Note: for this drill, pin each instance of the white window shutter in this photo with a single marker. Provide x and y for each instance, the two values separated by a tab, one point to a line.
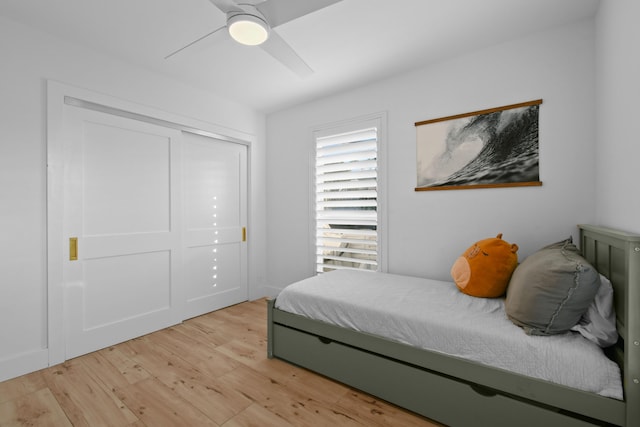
346	204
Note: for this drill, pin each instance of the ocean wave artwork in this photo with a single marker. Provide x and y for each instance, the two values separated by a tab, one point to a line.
489	148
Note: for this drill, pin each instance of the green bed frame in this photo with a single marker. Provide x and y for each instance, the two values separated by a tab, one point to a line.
458	392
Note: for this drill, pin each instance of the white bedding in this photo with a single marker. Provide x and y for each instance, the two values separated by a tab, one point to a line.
434	315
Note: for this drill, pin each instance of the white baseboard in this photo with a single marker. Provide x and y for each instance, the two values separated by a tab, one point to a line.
23	363
265	291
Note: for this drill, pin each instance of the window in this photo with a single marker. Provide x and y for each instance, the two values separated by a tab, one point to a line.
347	191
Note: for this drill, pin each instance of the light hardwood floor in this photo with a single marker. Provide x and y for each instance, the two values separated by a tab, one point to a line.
208	371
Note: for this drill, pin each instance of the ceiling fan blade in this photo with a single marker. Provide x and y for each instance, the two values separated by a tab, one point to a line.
280	50
226	6
278	12
203	43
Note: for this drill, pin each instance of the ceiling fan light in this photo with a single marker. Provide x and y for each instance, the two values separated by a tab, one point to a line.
248	29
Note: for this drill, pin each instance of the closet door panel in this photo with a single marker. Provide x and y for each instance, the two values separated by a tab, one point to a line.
126	180
215	219
123	205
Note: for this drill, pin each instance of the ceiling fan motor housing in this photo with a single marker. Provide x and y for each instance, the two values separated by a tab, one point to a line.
248	26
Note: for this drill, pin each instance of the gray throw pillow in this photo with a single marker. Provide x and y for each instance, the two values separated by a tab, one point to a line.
551	290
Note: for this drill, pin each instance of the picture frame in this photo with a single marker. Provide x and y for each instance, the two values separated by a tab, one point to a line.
496	147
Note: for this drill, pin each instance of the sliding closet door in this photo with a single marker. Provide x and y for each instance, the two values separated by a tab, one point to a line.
122	219
215	197
154	224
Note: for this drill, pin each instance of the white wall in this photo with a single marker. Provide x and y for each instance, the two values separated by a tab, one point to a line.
29	58
618	89
428	230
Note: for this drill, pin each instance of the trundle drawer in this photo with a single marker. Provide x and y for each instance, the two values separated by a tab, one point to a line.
435	396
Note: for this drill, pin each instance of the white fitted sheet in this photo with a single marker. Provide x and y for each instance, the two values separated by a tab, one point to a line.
435	315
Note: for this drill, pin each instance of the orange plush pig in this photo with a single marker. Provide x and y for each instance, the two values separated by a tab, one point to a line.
485	268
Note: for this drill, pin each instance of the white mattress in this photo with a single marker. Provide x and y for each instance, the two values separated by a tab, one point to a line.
434	315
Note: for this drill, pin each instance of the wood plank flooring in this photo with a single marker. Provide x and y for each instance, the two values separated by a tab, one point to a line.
208	371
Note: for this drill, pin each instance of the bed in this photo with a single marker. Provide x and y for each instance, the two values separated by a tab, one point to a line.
457	391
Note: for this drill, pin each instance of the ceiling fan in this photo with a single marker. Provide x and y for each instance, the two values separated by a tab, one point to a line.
253	23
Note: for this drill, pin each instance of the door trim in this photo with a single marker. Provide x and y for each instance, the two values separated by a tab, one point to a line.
57	94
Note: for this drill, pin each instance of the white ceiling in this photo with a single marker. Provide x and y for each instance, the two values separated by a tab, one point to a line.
348	44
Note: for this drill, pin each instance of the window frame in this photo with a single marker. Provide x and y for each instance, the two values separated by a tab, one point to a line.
379	121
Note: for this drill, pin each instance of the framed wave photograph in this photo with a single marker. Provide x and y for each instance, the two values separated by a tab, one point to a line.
497	147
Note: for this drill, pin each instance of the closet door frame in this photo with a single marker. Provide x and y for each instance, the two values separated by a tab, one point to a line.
59	97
